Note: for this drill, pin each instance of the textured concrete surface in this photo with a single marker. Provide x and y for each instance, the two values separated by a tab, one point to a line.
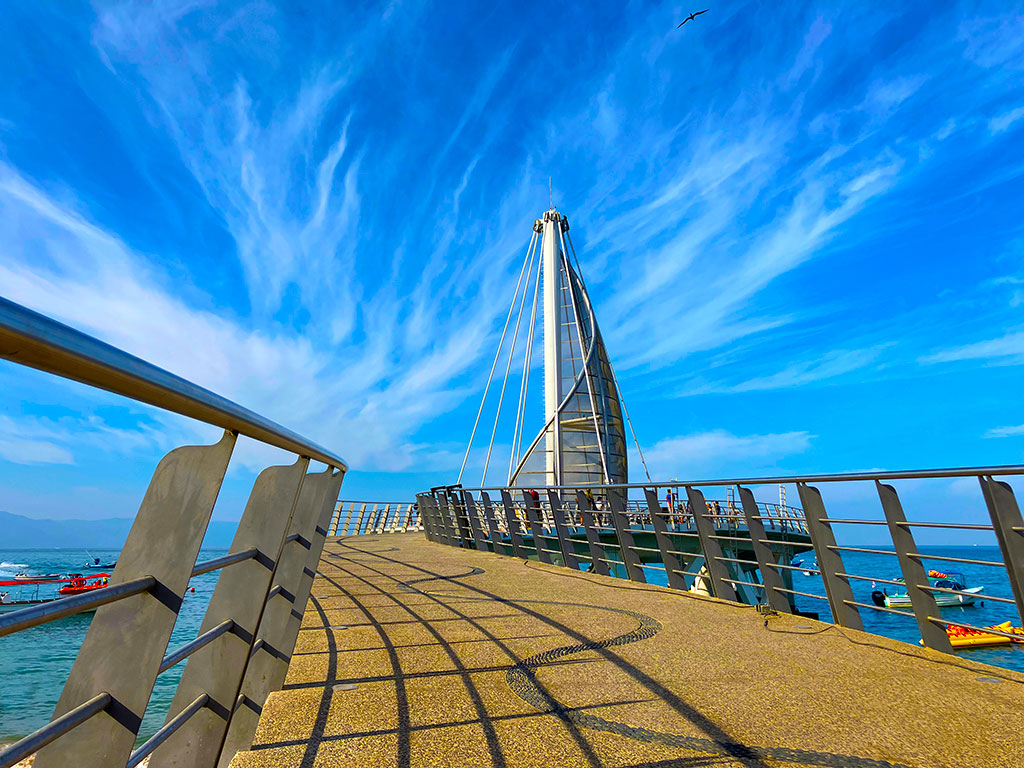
416	654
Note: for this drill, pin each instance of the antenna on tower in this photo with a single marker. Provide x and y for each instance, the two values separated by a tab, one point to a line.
551	195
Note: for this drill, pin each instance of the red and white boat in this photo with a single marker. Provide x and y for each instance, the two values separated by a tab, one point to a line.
78	584
21	593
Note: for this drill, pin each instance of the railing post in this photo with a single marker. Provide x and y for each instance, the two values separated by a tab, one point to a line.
445	513
564	535
717	571
630	557
597	556
359	523
426	518
461	516
830	562
673	568
239	596
512	521
1009	530
766	561
914	573
536	528
474	522
318	537
492	524
268	660
440	524
163	542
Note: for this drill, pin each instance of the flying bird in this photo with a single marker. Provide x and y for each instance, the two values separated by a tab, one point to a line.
692	16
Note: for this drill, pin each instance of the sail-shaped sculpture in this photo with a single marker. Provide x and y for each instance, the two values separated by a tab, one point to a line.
581	440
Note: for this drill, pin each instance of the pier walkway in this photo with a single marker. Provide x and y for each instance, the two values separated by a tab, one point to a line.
416	654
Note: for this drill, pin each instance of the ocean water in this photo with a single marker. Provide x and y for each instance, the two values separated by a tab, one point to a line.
35	663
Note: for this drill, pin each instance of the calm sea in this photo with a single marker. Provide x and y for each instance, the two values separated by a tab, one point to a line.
35	663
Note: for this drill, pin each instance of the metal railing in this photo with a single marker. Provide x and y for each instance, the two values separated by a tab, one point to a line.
249	630
354	518
741	551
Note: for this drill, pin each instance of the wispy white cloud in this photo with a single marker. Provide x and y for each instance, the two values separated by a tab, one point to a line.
1004	121
1006	349
24	441
688	454
1006	431
376	195
827	366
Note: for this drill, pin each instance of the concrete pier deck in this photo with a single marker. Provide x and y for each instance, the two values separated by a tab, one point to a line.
416	654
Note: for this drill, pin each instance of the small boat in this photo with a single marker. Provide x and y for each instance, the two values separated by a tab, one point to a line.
963	595
96	565
27	593
79	584
961	637
38	577
8	603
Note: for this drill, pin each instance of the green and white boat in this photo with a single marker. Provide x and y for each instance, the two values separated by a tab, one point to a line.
960	595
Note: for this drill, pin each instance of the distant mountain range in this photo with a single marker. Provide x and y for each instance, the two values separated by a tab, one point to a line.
20	532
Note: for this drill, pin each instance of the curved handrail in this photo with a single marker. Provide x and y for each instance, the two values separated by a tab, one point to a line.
37	341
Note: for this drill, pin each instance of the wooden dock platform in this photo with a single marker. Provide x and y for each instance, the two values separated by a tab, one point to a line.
415	654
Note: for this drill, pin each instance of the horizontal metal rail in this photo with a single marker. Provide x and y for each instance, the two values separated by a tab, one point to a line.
167	730
744	583
978	595
849	521
35	615
926	556
34	340
881	608
224	561
35	741
802	594
189	648
794	568
952	526
836	547
839	477
872	579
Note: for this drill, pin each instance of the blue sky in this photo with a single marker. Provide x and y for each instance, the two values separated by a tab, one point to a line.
800	225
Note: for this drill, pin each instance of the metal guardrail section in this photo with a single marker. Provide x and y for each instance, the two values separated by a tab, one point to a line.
248	633
355	518
744	549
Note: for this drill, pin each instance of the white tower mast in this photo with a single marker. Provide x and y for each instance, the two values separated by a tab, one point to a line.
552	260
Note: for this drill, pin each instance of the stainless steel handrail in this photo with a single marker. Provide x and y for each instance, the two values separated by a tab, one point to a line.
34	340
35	741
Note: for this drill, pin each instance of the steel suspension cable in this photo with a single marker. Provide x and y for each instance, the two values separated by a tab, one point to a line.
517	435
511	354
497	354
